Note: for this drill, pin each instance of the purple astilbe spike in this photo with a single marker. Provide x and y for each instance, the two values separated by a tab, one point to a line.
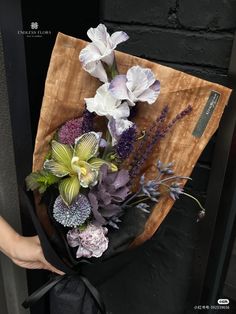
125	143
87	125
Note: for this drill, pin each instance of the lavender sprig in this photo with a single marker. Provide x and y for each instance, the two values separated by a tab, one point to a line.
155	133
150	190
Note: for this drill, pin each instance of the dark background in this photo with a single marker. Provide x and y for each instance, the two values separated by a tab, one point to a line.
193	36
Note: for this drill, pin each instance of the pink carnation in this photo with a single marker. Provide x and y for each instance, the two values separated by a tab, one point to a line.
92	241
70	131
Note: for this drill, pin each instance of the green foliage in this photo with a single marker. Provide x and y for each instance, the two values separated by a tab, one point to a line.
40	180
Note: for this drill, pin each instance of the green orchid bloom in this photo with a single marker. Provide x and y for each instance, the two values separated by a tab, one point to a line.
79	165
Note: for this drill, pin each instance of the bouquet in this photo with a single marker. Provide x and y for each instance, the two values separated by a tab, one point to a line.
96	192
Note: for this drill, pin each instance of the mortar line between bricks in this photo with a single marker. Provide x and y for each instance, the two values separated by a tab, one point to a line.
150	27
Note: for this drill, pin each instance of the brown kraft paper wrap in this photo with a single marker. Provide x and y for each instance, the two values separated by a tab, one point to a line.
67	84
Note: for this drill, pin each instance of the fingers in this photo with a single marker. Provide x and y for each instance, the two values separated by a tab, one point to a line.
44	262
55	270
49	267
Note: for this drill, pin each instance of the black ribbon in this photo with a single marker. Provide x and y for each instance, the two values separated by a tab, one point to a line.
38	294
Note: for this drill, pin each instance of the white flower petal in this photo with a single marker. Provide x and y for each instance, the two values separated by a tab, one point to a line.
121	112
104	104
89	53
100	49
118	87
108	57
138	80
149	95
98	34
97	70
118	37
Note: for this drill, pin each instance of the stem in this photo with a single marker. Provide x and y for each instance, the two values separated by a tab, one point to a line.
109	146
139	201
189	195
158	177
174	177
196	200
131	198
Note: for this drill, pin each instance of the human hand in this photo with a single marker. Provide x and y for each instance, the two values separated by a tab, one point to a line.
27	253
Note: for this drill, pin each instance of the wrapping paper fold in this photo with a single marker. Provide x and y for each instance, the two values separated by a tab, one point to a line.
67	85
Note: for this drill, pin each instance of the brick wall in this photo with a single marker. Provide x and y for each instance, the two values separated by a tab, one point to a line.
192	36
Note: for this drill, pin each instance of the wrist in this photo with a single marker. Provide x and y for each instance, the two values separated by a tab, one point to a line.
12	245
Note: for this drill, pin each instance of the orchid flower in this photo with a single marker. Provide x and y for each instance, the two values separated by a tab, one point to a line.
100	51
104	104
139	84
77	166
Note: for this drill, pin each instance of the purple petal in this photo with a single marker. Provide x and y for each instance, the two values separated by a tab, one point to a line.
121	194
94	203
156	86
73	237
121	179
83	252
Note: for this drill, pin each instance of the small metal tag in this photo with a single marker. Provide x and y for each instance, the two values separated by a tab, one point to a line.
206	114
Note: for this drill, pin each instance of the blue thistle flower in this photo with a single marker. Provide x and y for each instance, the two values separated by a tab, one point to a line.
73	215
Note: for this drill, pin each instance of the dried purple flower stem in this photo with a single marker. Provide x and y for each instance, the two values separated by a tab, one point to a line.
159	133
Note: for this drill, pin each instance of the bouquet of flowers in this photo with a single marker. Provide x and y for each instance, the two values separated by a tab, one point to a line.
92	188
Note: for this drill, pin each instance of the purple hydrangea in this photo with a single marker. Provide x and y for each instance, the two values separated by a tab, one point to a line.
125	143
75	214
106	197
70	131
92	242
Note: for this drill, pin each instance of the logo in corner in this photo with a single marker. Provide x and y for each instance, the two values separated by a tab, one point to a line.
223	301
34	25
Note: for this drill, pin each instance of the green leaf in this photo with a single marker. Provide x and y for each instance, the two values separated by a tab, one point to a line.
40	180
69	189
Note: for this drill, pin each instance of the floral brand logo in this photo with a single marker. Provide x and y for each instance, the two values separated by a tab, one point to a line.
34	25
34	31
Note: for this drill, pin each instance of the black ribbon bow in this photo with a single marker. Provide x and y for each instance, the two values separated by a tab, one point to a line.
56	279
